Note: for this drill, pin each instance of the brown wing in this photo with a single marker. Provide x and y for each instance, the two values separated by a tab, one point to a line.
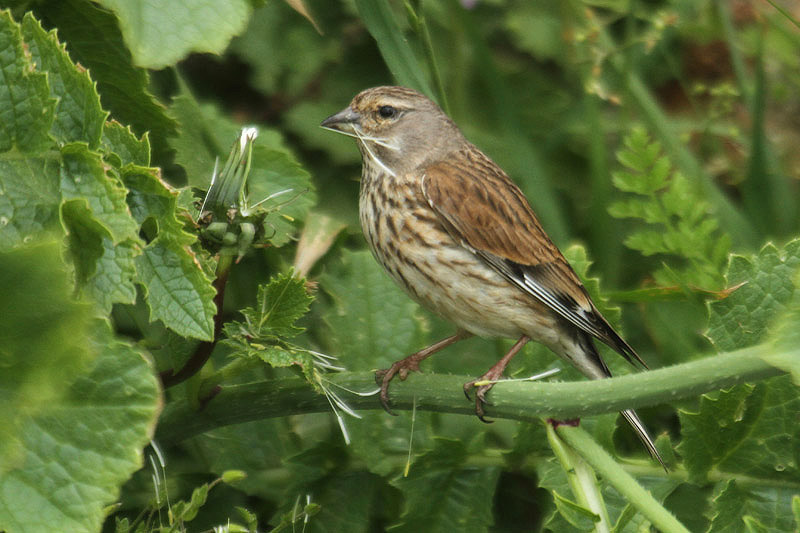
488	214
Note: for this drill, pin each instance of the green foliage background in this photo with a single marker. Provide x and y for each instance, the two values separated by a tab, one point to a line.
655	139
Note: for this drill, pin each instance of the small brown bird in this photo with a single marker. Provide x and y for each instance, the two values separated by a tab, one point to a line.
458	235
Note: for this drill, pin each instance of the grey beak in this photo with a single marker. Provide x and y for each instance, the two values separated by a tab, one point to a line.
342	118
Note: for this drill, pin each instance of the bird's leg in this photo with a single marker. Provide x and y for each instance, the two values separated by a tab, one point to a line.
404	366
486	381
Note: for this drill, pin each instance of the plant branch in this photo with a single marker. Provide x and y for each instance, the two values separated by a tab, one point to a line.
594	454
513	400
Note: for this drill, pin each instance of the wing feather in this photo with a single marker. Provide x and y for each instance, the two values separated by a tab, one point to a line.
488	214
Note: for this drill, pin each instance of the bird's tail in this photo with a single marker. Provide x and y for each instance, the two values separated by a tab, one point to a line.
633	419
584	355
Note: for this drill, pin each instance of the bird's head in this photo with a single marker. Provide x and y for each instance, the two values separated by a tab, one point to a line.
398	128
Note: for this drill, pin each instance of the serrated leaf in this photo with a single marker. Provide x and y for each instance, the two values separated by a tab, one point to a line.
578	258
29	199
82	404
280	303
93	39
178	289
179	293
120	142
737	508
85	176
372	324
750	430
667	200
26	107
113	281
78	116
743	318
443	494
159	33
150	198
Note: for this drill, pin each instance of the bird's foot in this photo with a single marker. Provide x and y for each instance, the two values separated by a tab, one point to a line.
483	385
487	381
400	369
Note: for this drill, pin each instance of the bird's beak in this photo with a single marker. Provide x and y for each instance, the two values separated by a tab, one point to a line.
341	121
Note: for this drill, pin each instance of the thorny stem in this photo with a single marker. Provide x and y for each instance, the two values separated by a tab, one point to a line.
443	393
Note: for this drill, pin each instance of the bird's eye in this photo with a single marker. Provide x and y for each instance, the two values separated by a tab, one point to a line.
387	111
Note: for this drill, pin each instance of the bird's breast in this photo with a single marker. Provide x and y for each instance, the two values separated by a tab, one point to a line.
407	237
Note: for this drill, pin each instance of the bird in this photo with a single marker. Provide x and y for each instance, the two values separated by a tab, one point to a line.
458	235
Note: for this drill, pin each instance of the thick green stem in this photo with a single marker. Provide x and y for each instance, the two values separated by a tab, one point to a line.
513	400
581	479
615	475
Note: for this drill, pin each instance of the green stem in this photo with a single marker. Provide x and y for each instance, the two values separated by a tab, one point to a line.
443	393
581	479
616	476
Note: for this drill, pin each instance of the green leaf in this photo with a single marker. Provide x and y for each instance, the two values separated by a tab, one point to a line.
184	511
379	19
744	318
318	508
278	174
536	28
79	116
443	494
84	176
738	508
84	238
26	107
280	303
81	403
113	281
667	200
159	33
29	199
179	293
93	39
373	323
579	517
120	142
750	430
204	135
44	339
578	258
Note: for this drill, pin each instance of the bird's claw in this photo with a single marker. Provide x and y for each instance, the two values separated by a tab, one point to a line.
384	377
480	398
